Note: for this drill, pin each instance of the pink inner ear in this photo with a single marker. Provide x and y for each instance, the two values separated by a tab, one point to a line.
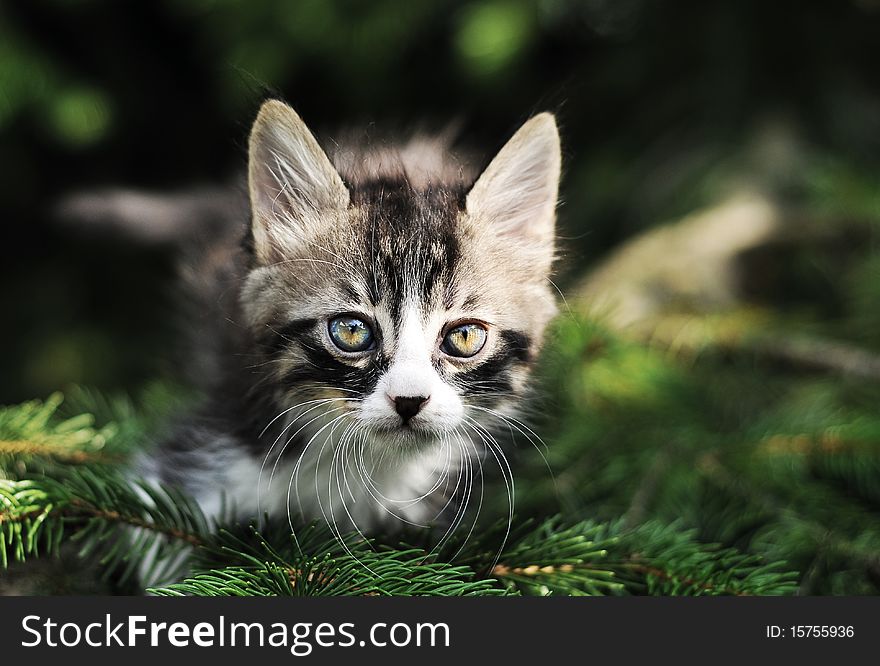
517	192
291	179
286	161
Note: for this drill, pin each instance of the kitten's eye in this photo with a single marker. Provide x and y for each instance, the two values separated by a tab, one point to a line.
350	334
464	341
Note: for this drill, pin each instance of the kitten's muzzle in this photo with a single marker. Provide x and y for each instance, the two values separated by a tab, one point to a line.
408	406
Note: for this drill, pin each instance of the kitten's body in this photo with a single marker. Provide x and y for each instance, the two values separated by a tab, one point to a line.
402	243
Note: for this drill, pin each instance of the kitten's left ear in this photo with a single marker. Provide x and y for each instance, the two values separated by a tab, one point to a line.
291	180
517	192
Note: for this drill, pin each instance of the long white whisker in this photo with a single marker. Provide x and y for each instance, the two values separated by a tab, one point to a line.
320	402
334	526
294	478
479	505
284	448
372	490
465	472
340	452
507	475
514	423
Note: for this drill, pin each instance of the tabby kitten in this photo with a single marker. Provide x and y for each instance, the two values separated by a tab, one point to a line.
372	333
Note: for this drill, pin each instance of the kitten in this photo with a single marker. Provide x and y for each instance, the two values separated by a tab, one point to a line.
373	331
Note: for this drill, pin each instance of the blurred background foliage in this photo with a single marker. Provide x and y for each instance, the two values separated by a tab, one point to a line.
706	414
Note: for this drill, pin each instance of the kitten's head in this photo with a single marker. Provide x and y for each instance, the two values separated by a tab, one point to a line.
411	303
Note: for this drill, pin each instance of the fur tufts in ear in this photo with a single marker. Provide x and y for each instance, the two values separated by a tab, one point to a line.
516	194
290	179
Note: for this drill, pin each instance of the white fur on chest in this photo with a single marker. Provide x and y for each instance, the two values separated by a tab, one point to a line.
342	485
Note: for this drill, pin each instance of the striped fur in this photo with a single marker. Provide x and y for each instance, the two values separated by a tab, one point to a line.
410	243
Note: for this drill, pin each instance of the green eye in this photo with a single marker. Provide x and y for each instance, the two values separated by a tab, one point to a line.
350	334
464	341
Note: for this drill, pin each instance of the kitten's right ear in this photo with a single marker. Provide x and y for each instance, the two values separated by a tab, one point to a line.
516	194
291	181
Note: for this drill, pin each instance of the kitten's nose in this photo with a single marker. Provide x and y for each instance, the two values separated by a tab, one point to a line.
408	406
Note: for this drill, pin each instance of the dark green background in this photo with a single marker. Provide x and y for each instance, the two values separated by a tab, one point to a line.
664	107
652	97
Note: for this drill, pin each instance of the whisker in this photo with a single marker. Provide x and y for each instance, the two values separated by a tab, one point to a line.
319	404
294	479
507	475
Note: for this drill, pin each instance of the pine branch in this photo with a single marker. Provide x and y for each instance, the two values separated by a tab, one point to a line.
610	558
122	521
316	562
388	574
31	449
662	559
33	432
161	533
269	580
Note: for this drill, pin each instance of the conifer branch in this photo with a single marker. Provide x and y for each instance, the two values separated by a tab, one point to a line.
131	526
25	448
